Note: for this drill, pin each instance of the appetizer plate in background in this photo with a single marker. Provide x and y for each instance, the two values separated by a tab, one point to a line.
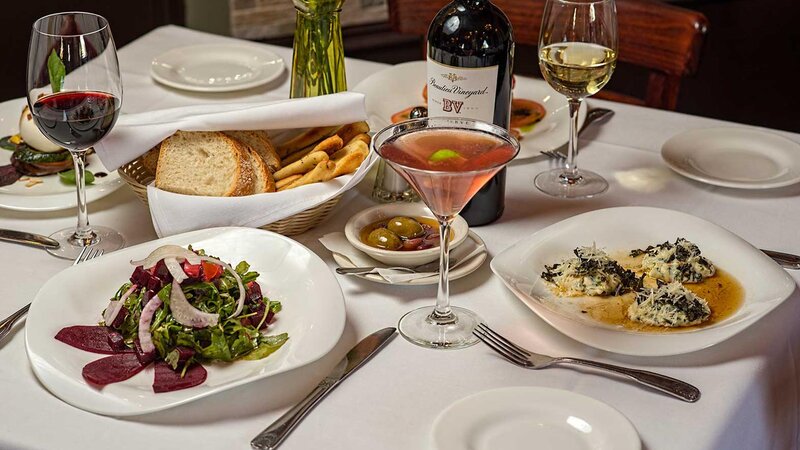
734	157
313	314
532	417
399	87
216	68
51	194
765	284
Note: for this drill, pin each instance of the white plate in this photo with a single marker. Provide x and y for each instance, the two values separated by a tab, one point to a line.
407	80
765	284
734	157
51	194
473	241
216	68
522	418
313	314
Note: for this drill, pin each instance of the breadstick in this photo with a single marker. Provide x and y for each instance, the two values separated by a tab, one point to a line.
328	145
351	130
319	173
302	166
356	145
363	137
349	163
287	181
304	139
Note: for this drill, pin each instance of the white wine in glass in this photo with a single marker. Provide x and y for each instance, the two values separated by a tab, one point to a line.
577	55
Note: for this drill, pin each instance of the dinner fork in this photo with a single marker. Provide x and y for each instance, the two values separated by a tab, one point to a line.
7	324
530	360
592	116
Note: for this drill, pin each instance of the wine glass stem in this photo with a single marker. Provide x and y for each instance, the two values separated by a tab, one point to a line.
442	314
83	232
571	175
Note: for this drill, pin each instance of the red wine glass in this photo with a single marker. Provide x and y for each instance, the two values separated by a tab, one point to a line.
74	94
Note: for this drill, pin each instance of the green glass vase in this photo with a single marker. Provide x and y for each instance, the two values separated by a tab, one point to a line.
318	60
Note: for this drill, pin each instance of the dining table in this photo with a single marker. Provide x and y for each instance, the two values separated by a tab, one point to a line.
749	383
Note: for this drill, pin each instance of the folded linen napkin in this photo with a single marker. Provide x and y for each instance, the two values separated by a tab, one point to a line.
174	213
134	134
337	243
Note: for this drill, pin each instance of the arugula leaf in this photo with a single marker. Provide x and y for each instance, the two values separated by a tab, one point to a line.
56	71
267	346
68	176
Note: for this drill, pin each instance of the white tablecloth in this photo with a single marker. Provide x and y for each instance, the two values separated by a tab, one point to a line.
749	383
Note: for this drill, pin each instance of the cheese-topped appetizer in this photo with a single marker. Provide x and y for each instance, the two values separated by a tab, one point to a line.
669	305
680	261
590	272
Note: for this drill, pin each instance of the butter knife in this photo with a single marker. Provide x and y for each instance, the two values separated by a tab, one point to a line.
273	435
32	239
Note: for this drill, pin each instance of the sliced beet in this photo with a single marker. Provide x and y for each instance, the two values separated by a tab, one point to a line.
144	357
120	319
112	369
91	338
194	272
253	293
167	380
184	353
117	342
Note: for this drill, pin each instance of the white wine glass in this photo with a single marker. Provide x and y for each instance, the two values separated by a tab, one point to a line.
577	55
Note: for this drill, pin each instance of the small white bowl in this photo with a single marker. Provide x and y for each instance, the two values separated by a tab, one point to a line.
395	257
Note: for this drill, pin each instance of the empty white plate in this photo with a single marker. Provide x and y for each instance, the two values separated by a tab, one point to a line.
522	418
216	68
734	157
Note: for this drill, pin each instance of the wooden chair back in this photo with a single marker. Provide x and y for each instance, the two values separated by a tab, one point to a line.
662	38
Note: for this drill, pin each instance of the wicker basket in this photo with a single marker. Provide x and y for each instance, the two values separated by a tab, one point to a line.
138	177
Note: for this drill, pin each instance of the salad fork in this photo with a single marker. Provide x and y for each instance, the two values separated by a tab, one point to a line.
7	324
592	116
530	360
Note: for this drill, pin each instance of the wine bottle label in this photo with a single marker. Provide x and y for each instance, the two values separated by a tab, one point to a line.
461	92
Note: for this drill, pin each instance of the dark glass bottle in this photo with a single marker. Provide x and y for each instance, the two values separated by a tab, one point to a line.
470	61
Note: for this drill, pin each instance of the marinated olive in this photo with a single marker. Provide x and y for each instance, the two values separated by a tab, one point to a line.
385	239
405	227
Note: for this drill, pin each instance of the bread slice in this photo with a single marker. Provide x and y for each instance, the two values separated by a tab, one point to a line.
264	182
204	163
259	141
150	159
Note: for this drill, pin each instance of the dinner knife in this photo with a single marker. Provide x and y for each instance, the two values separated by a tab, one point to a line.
32	239
273	435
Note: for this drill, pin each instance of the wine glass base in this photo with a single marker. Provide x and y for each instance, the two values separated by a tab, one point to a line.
587	184
104	239
419	327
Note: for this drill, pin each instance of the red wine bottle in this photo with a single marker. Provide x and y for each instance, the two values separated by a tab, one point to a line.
470	61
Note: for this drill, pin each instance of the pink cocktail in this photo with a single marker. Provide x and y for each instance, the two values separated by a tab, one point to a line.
447	161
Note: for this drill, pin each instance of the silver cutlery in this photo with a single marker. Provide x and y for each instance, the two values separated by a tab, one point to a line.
31	239
7	324
592	116
273	435
367	270
786	260
530	360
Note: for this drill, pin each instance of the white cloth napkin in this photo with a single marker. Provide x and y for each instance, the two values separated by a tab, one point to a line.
173	213
337	243
134	134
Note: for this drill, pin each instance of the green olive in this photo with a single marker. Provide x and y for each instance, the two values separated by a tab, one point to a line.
385	239
405	227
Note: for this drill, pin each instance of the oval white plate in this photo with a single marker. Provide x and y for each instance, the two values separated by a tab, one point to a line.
765	284
398	87
522	418
51	194
734	157
216	68
313	314
473	241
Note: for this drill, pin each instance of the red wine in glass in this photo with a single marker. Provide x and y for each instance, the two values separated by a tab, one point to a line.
75	94
76	119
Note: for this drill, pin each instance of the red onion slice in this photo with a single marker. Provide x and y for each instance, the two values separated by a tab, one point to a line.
175	269
145	320
186	314
115	306
242	293
168	251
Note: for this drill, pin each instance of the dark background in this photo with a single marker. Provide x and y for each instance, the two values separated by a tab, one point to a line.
749	70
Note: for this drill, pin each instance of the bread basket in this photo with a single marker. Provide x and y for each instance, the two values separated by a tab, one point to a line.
138	177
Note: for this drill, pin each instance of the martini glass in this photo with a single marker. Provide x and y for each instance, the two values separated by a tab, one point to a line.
447	161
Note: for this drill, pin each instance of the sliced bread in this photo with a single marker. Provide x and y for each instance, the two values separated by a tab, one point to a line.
204	163
264	182
259	141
